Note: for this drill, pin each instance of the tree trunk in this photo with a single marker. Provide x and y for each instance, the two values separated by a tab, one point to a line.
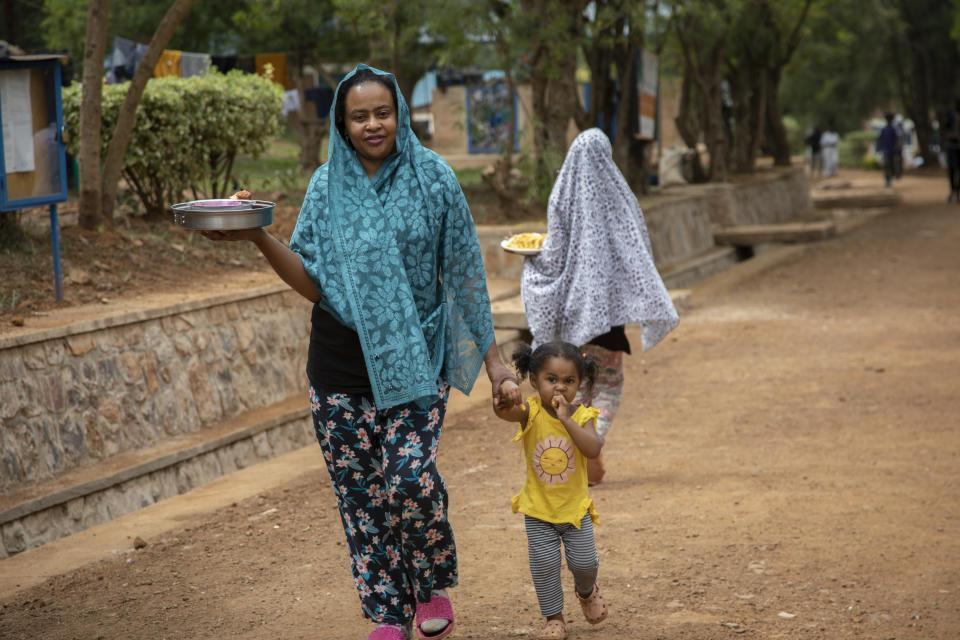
776	132
90	216
688	121
117	151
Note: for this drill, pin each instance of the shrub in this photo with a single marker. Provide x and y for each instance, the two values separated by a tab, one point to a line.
187	133
854	147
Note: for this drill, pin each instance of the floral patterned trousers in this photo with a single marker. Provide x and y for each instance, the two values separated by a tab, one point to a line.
392	499
608	387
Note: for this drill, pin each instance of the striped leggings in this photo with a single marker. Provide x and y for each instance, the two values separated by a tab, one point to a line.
543	547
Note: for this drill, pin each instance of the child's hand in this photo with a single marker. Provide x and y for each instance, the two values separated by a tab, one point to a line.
507	396
563	408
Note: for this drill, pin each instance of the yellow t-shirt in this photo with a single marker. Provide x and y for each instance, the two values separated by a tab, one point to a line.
556	486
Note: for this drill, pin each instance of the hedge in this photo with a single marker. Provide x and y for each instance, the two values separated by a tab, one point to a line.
187	132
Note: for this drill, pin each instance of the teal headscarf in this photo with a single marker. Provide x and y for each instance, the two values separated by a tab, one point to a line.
396	258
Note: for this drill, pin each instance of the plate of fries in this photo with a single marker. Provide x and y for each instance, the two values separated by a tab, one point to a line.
525	244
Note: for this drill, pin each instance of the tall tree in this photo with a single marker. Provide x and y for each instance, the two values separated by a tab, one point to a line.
702	30
926	63
393	34
98	187
613	34
548	29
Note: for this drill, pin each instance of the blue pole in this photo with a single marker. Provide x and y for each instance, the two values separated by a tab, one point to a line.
55	240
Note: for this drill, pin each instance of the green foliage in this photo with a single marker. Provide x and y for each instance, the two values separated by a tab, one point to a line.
187	133
795	134
855	148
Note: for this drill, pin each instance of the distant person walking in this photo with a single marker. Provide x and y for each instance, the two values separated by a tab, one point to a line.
887	145
951	146
829	141
816	156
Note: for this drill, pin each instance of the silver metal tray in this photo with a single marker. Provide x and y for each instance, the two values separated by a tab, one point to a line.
223	214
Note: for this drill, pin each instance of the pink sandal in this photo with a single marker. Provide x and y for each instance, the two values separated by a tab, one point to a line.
386	632
593	606
438	607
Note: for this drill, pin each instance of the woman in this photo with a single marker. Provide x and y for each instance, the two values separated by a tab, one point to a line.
386	250
596	273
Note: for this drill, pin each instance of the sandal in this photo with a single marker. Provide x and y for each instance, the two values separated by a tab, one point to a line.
438	607
593	606
386	632
554	630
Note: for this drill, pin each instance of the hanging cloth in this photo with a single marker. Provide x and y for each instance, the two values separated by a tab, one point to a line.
596	269
194	64
396	258
168	64
279	62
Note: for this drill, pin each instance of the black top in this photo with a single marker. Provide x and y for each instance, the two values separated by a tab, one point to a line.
335	358
614	340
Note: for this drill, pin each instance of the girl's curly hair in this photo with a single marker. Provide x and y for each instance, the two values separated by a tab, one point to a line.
527	360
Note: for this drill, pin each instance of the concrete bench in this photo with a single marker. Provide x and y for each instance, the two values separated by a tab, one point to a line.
787	232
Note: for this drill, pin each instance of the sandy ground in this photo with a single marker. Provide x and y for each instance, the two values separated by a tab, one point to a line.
786	464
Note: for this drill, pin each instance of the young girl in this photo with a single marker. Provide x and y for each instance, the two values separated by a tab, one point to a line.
558	437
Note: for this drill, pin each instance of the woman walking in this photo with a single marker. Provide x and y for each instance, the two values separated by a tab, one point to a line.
386	250
596	274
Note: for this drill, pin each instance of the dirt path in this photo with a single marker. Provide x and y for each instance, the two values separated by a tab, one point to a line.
785	465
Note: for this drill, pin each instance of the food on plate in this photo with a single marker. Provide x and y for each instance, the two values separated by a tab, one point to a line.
526	240
243	194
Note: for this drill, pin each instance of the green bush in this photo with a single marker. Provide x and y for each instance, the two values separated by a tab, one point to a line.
855	147
187	133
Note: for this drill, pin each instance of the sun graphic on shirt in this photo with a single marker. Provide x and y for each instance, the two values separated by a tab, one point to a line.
553	460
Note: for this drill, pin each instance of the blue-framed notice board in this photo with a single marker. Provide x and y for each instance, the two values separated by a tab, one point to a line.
33	165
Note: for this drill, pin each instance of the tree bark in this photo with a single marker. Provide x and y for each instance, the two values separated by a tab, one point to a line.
88	157
117	151
776	132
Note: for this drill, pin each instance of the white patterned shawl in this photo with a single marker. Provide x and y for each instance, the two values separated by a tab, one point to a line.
596	268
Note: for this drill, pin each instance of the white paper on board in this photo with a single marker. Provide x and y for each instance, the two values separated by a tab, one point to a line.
17	120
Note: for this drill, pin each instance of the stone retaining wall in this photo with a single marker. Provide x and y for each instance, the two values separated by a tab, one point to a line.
74	396
681	221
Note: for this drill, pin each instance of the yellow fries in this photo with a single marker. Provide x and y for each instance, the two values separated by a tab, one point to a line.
527	241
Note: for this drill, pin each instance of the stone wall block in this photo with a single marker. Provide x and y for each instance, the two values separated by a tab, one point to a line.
56	351
75	509
226	392
226	341
150	373
208	405
80	345
12	368
11	469
52	447
163	484
159	343
130	366
12	398
73	441
245	335
108	373
52	392
232	311
14	537
92	435
261	446
183	344
33	357
193	473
